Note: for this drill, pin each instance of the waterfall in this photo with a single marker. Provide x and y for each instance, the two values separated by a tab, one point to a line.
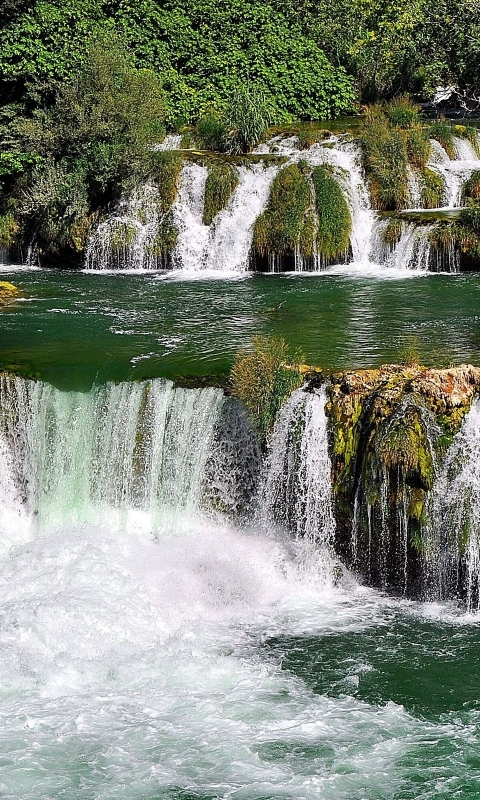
346	157
225	245
127	239
454	172
130	452
297	491
452	540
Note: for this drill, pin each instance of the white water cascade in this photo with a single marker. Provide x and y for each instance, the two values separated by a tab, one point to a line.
297	482
127	239
135	453
226	244
452	541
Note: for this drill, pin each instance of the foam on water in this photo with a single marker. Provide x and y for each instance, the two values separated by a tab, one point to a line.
134	663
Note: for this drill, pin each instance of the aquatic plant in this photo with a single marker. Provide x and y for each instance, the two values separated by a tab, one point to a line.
386	161
334	218
222	180
263	378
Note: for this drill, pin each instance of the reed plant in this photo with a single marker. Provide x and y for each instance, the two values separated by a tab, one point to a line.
442	132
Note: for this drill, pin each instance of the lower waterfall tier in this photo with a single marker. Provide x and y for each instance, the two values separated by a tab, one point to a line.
377	468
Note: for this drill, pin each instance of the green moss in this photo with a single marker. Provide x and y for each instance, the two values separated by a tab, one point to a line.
432	188
334	219
471	187
164	169
280	229
222	180
442	132
8	293
165	238
122	235
392	232
9	229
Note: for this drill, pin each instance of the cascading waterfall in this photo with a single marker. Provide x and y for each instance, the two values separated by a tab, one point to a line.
133	237
133	452
225	245
296	491
127	239
452	539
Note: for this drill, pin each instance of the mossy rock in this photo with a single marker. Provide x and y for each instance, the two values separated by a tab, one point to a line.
222	180
8	293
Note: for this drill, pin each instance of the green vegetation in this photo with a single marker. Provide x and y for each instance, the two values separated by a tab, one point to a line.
442	131
471	187
393	141
392	232
222	180
306	214
432	188
264	378
286	224
334	219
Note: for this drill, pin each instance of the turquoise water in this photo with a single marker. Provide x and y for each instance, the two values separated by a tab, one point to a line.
181	656
75	329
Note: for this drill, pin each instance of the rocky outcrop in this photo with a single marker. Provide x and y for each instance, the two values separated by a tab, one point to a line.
391	428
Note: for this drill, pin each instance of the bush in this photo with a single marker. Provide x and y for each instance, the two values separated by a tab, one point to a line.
222	180
210	132
264	378
334	219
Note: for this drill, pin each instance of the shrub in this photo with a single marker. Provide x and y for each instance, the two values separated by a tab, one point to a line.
210	132
222	180
264	378
334	219
442	132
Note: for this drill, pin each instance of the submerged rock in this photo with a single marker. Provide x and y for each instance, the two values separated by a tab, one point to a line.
8	293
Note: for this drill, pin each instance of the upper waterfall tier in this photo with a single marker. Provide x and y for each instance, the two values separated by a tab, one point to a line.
146	234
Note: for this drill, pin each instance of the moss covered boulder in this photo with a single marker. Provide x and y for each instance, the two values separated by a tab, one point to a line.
8	293
391	428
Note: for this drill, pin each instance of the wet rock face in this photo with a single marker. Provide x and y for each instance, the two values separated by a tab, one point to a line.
390	429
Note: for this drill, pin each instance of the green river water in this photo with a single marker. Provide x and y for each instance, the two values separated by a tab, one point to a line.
209	661
76	329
